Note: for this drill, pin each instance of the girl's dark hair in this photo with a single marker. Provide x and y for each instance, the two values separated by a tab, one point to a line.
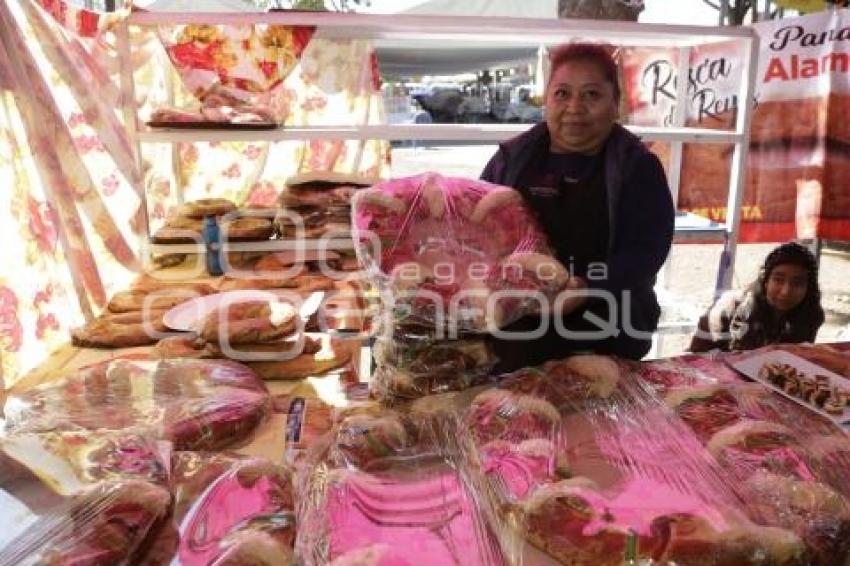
757	322
597	54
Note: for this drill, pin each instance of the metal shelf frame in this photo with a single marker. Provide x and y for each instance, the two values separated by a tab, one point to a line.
422	132
469	31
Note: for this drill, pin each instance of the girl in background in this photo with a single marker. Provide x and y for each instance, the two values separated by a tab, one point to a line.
781	306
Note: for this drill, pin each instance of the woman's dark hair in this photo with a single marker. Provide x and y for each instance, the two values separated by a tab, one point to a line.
597	54
763	325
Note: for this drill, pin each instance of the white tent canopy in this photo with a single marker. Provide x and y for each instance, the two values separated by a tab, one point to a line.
195	6
408	60
405	60
496	8
411	59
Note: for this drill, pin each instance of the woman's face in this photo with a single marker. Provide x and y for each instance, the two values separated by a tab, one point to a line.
580	108
786	286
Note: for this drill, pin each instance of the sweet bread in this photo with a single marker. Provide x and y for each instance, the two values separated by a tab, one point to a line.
252	322
184	346
336	356
247	227
156	298
124	330
232	284
284	261
168	235
207	207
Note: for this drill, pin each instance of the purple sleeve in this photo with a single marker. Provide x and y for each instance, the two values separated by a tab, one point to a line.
644	228
493	171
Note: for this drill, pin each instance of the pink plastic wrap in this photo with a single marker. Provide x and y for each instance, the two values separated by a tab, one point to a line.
228	509
454	253
589	467
380	490
196	404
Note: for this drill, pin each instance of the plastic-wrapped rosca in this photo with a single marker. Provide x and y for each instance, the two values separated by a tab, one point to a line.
791	478
196	404
519	439
454	252
590	468
814	511
379	490
790	467
412	364
569	383
228	509
107	523
709	408
575	522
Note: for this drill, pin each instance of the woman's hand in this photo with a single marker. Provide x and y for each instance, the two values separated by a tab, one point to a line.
569	299
572	297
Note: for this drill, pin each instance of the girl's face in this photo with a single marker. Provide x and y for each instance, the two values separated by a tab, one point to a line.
580	108
786	286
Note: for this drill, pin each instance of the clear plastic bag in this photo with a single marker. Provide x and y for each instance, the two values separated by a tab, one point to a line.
107	523
69	461
228	509
381	488
196	404
790	467
454	253
413	364
81	497
589	467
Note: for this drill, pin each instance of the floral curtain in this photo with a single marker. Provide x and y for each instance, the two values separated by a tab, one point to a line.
71	193
72	202
335	83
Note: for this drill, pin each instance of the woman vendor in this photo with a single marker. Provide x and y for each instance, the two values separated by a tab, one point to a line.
603	199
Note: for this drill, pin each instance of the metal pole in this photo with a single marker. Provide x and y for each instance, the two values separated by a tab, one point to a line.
739	166
131	123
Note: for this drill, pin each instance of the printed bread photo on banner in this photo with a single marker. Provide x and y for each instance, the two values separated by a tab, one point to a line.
799	154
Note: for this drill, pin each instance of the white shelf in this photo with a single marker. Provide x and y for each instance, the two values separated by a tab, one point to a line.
689	226
421	132
503	31
452	32
264	246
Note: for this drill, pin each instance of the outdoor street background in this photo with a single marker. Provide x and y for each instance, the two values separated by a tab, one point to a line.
693	267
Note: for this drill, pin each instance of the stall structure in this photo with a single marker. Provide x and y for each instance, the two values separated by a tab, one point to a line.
419	30
157	440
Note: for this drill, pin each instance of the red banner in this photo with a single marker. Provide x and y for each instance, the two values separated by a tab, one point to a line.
799	160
